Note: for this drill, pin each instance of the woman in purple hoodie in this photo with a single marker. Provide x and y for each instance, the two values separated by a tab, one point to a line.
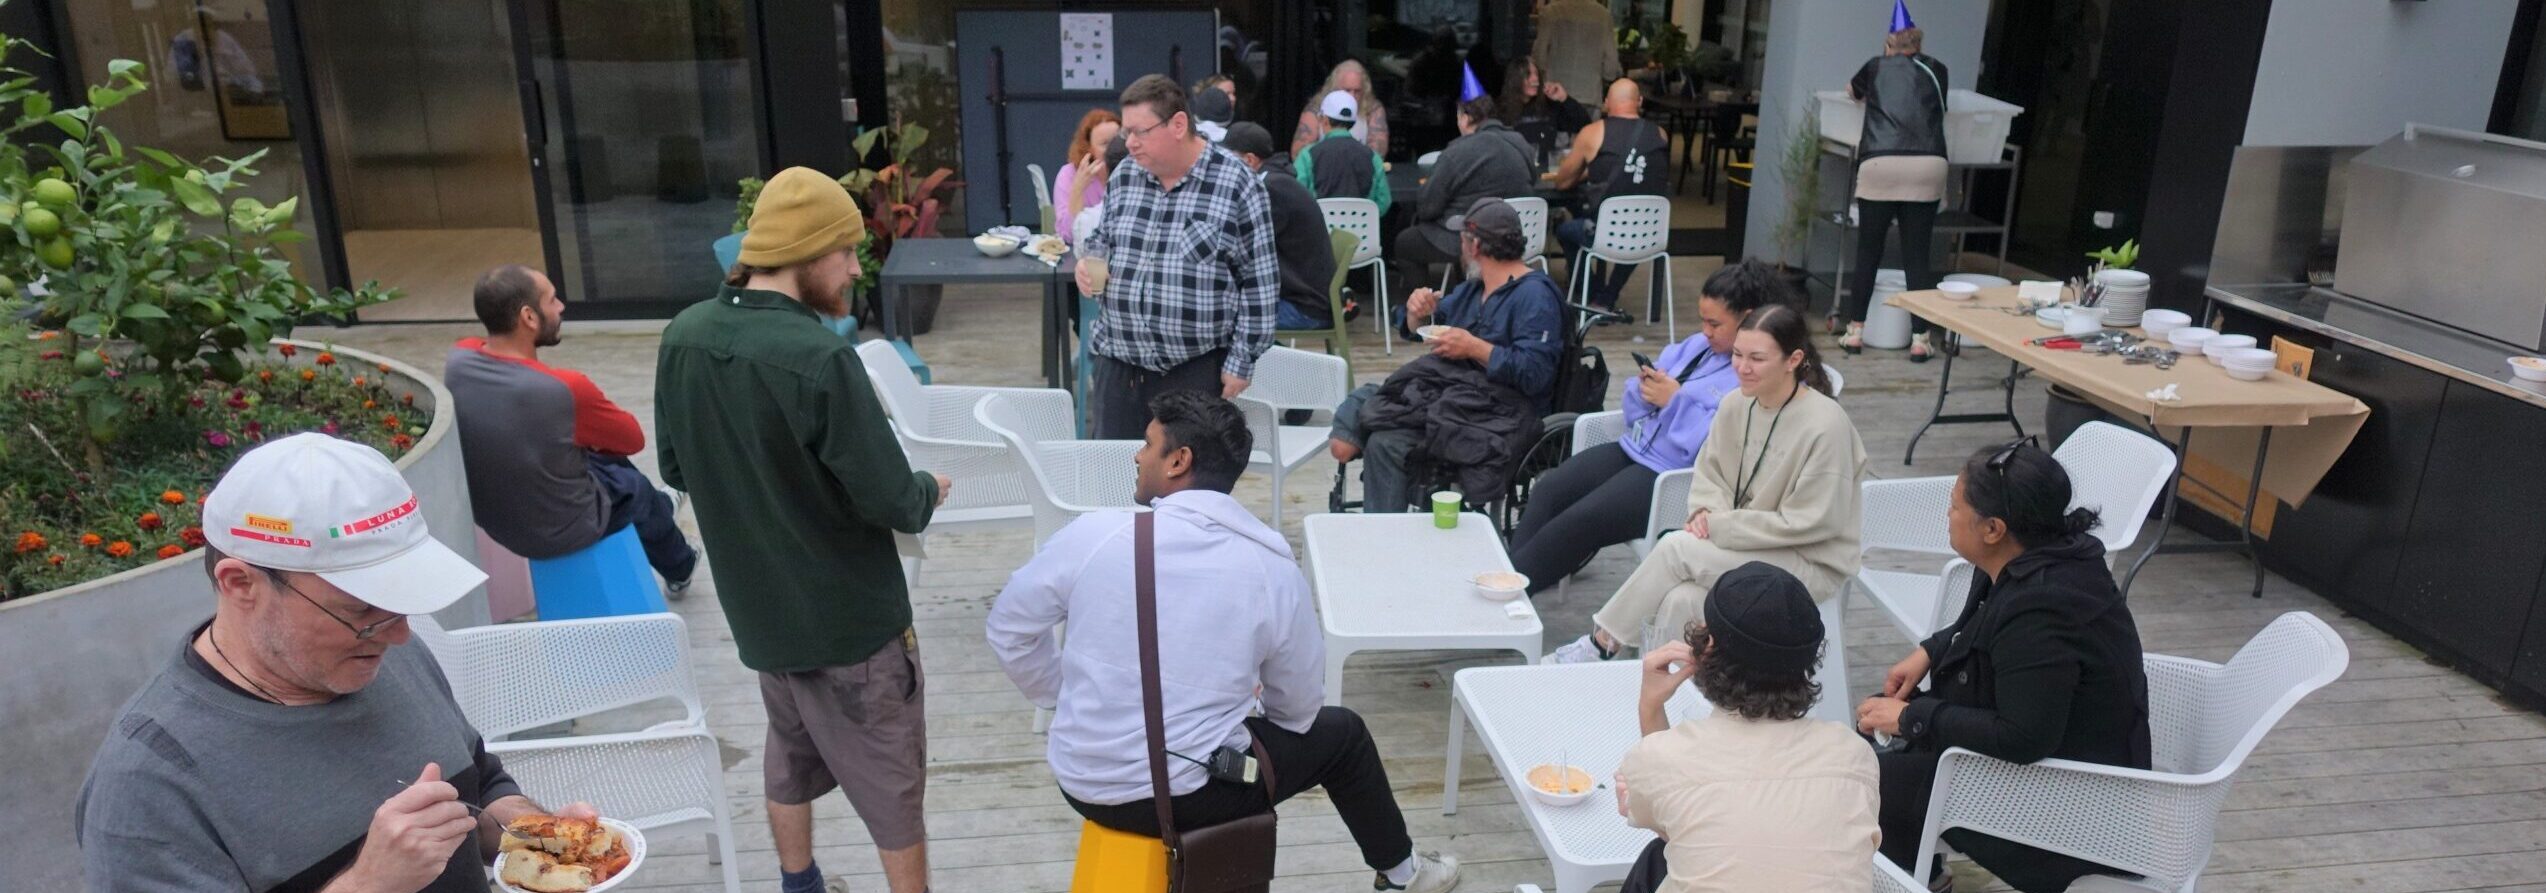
1600	496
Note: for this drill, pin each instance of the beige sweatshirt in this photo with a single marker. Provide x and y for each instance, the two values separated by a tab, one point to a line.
1803	495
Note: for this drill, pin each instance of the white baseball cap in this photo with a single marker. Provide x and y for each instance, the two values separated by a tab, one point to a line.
1341	106
315	504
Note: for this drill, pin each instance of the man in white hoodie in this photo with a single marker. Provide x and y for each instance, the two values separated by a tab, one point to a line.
1236	632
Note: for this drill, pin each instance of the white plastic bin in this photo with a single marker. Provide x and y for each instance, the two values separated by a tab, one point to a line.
1887	327
1976	126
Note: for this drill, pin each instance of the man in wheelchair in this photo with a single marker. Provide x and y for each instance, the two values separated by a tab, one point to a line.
1473	406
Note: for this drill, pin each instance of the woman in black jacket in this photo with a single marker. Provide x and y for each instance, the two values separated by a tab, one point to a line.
1900	176
2044	662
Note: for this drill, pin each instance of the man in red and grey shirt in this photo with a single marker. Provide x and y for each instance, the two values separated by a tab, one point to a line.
547	453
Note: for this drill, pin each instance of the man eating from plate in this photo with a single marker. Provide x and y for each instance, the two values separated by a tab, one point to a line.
290	743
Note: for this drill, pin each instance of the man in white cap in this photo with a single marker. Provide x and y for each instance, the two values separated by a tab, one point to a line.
291	744
1338	166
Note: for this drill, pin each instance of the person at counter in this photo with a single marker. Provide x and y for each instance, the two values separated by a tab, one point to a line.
2044	661
1900	175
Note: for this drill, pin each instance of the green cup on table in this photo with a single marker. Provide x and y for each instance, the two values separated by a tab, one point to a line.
1445	509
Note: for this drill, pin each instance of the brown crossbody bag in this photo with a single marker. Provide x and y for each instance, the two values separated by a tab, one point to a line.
1230	857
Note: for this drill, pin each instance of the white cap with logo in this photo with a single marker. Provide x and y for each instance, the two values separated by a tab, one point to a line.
315	504
1341	106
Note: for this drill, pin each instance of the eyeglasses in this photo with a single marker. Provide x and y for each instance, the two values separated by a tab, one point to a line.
1998	461
1131	133
360	632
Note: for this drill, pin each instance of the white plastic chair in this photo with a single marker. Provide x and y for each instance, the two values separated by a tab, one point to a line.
663	781
1889	878
2115	470
937	431
1288	379
1066	477
1360	216
1533	211
2161	822
1042	194
583	667
1632	230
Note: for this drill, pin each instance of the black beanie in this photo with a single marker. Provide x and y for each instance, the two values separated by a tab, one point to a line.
1763	618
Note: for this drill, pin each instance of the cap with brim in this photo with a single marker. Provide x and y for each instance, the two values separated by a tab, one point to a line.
314	504
1492	217
1762	617
1249	138
1341	106
1213	105
421	580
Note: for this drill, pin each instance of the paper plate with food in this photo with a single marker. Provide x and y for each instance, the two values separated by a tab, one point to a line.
555	854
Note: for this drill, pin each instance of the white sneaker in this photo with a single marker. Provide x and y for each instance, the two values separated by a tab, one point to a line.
1578	651
1433	873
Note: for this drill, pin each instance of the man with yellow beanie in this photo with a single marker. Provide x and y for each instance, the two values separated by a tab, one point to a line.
768	421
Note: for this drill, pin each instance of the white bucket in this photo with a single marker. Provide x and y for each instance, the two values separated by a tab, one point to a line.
1886	326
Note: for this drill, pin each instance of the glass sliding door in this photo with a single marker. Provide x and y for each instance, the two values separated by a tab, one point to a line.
642	124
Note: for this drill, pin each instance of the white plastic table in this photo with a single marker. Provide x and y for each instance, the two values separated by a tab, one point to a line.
1582	713
1397	583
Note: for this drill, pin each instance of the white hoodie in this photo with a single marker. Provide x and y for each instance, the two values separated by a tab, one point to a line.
1233	613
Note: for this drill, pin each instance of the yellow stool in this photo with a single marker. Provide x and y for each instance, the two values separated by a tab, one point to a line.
1113	861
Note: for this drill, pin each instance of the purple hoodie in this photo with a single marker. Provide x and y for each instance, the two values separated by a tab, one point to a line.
1666	439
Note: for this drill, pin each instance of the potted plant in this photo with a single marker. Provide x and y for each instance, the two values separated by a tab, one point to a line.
2113	257
898	204
1799	168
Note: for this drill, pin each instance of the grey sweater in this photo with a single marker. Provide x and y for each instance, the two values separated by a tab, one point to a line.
203	787
1493	162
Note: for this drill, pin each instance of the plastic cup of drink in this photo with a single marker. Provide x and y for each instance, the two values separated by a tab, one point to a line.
1445	509
1097	271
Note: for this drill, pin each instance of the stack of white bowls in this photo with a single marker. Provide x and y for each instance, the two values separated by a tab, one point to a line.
2125	296
2217	349
2190	338
2158	323
2247	363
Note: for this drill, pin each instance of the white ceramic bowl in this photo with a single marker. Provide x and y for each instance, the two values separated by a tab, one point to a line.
2190	338
1958	291
2051	317
2160	322
1428	333
2083	321
2249	373
2529	368
636	859
2250	357
1501	586
1983	280
1544	776
995	246
2217	348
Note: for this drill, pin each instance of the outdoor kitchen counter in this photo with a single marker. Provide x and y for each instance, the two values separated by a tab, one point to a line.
2477	361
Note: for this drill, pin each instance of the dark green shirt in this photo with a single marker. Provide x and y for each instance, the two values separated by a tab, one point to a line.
768	421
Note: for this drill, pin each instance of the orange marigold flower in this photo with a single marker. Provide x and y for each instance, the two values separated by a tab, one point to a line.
309	375
389	422
326	358
408	399
54	559
384	367
191	536
92	540
287	350
265	375
148	521
401	441
359	381
119	549
371	404
173	497
171	550
48	335
30	541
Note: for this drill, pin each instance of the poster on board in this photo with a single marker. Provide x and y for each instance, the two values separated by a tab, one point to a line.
1087	51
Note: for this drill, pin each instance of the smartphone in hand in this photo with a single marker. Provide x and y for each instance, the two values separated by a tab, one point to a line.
1641	361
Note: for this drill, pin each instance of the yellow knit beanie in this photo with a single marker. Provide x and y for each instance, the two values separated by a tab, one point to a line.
801	215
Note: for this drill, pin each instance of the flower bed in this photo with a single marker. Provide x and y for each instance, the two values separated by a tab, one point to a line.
68	517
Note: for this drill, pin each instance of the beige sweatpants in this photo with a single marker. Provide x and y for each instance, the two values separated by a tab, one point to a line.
1670	587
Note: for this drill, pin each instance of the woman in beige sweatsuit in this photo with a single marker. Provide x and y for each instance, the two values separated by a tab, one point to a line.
1776	482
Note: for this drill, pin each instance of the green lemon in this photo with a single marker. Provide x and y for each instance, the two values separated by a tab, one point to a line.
88	364
54	193
56	253
43	224
8	213
8	288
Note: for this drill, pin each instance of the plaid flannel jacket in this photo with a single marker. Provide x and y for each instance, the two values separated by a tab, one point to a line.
1192	270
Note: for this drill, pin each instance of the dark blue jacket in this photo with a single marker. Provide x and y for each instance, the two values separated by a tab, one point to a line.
1524	320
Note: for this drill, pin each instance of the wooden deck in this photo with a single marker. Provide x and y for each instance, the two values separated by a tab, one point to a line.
2402	776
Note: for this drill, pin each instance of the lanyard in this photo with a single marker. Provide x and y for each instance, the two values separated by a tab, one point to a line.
1644	430
1742	483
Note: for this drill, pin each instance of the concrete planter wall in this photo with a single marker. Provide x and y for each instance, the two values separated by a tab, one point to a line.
71	657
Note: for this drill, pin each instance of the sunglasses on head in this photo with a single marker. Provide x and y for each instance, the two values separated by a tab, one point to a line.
1998	461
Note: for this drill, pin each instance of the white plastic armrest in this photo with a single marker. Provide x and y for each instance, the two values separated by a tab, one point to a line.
950	409
1592	429
2111	815
1669	510
587	664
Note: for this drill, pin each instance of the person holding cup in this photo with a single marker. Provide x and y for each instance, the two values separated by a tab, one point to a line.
1776	482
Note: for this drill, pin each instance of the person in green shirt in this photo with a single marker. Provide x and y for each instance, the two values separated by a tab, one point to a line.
1339	166
768	421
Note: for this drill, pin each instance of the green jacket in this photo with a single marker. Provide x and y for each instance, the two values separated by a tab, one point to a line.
1340	182
768	421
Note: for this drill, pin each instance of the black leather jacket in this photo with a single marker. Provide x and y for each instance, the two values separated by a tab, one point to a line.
1904	106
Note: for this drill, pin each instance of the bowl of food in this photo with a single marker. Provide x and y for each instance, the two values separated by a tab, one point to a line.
1958	291
2528	368
1428	333
1048	247
1501	586
993	245
2159	322
1557	785
555	854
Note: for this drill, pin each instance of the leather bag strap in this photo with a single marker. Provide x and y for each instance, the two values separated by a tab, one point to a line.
1152	698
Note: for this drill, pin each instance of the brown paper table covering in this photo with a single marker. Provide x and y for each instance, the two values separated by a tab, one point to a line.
2313	424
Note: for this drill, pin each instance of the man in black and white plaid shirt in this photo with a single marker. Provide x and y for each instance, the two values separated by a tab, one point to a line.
1187	235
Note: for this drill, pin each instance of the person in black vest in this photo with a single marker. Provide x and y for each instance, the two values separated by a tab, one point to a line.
1337	165
2043	663
1487	161
1900	175
1299	233
1621	154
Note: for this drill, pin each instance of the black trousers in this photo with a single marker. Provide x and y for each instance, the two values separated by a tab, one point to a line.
1874	223
1118	393
1649	870
1414	253
1336	753
634	500
1907	779
1598	498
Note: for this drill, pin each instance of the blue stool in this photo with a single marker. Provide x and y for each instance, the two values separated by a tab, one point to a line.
606	579
919	368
